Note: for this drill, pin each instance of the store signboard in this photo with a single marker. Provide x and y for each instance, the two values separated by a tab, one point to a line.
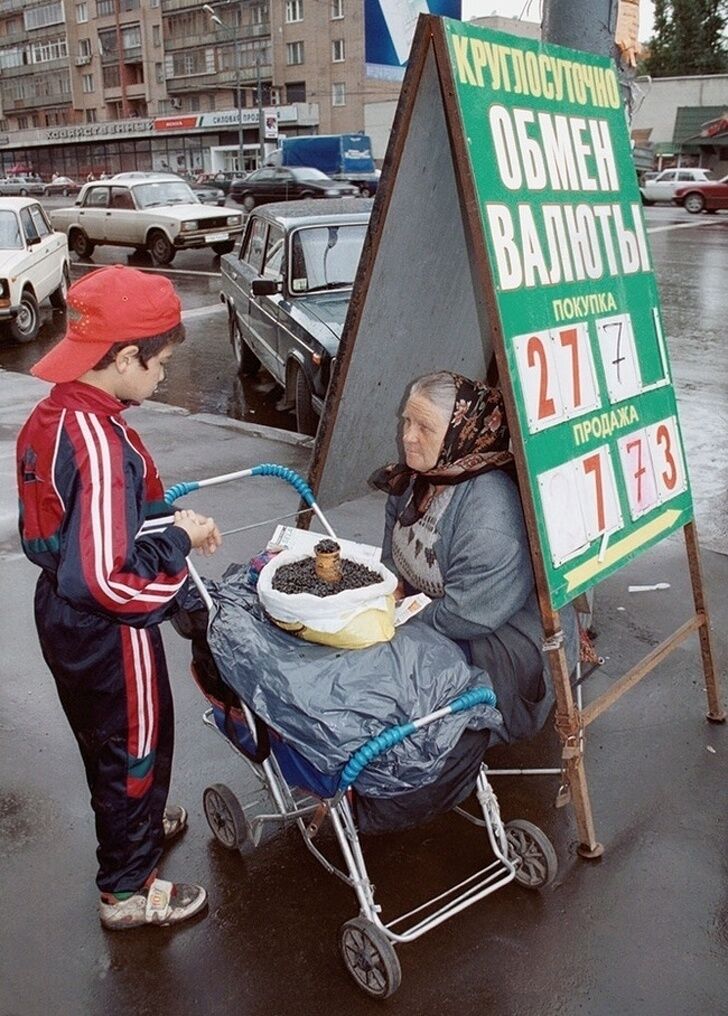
576	298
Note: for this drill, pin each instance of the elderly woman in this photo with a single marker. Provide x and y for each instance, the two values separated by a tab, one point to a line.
455	531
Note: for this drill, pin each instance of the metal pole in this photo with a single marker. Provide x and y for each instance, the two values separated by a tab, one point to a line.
589	25
261	121
238	69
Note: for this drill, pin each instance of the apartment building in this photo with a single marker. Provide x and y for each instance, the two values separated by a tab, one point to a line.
102	85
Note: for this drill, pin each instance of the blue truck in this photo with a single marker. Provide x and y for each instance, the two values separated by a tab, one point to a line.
341	156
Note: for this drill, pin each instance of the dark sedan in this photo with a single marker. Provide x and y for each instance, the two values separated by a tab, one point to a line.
287	293
222	180
283	183
62	185
708	196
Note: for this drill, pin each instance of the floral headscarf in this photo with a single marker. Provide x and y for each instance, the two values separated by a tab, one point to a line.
476	441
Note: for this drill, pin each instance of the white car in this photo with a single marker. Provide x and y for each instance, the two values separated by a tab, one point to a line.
33	266
666	183
148	212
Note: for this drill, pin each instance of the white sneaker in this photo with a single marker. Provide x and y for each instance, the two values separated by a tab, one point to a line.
162	903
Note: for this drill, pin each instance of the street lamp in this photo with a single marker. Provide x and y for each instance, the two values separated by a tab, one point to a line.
259	91
226	28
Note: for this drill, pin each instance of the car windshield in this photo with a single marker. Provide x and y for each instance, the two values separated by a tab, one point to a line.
325	257
10	238
308	173
163	192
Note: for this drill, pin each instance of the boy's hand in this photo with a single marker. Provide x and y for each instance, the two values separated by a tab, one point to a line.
203	532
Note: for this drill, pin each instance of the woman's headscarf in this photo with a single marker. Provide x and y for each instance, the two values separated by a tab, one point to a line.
475	442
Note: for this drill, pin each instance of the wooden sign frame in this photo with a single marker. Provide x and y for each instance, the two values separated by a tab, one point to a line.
431	42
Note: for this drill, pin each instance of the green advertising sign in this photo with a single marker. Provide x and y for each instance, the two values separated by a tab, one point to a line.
577	299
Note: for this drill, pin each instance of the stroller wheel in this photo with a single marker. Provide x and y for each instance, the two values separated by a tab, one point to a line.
533	853
226	818
369	957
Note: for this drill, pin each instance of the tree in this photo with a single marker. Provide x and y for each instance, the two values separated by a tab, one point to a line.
690	38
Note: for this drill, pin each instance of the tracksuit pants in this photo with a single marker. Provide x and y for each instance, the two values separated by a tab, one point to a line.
113	685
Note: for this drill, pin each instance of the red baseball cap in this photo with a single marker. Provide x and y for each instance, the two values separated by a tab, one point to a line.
109	305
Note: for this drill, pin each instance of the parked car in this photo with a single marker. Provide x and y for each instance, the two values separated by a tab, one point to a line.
219	179
150	212
33	266
704	197
21	185
62	185
208	194
288	291
284	183
665	185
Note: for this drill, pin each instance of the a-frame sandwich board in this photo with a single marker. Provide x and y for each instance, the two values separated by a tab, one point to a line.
509	230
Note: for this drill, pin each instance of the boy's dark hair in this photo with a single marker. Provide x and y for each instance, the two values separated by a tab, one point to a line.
147	347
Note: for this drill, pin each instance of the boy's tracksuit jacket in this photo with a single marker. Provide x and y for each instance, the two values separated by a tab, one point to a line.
86	484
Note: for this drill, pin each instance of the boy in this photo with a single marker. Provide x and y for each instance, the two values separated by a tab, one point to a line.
86	485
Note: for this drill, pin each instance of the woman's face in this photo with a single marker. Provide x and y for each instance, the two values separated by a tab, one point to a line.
423	431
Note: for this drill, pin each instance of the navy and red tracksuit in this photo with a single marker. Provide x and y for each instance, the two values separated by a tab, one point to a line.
86	485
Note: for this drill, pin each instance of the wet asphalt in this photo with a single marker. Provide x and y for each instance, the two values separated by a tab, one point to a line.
643	933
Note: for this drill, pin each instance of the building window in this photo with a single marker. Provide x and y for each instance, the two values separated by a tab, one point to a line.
110	76
154	3
22	123
159	73
81	13
156	35
294	11
338	51
131	37
296	91
105	7
294	53
87	81
90	116
259	14
84	47
337	9
51	49
12	56
338	94
41	17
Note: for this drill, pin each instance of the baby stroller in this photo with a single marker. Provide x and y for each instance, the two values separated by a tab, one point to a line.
307	795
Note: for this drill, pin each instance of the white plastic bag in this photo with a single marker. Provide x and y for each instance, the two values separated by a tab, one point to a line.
323	613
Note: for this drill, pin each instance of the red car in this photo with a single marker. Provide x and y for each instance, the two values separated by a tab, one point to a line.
708	196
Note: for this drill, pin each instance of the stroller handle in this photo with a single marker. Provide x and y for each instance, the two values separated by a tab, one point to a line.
380	744
264	469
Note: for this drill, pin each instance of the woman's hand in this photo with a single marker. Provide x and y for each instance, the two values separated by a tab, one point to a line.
203	532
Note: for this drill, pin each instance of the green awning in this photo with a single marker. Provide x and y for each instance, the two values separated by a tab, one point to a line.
690	121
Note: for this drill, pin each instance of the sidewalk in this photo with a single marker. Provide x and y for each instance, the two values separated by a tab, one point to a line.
643	933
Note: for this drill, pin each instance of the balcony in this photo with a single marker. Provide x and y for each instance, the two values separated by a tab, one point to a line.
182	83
132	55
36	102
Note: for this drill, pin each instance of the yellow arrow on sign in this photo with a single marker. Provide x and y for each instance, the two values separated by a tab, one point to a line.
588	569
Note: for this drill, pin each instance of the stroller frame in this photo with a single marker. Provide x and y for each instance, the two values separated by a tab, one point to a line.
522	852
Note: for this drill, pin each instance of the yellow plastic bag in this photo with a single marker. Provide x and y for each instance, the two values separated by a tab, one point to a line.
363	630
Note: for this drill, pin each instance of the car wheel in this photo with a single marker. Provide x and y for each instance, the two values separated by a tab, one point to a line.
248	202
80	244
160	248
694	203
24	327
646	201
248	363
224	248
59	296
306	419
23	192
65	192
